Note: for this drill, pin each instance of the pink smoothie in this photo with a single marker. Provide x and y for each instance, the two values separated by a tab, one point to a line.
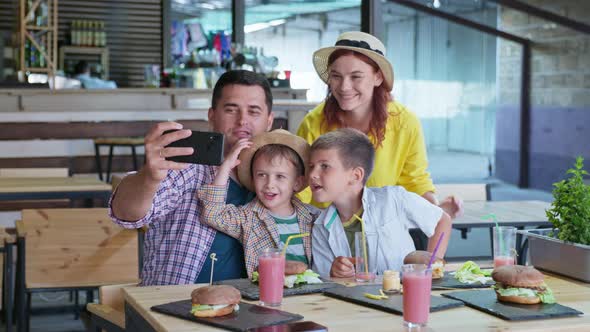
503	260
416	297
272	274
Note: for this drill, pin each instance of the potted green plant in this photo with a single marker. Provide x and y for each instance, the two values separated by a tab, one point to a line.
565	249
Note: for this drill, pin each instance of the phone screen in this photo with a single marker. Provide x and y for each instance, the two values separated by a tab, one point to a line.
208	148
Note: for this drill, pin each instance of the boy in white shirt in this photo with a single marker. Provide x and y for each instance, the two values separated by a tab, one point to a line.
340	164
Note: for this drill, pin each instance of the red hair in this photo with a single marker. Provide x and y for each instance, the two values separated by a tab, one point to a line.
333	114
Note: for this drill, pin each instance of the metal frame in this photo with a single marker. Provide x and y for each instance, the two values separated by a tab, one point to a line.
371	18
7	286
525	98
110	160
238	21
104	194
544	14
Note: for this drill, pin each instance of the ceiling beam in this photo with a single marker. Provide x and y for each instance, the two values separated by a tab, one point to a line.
544	14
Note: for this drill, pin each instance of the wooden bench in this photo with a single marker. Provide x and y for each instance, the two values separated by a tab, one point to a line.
66	249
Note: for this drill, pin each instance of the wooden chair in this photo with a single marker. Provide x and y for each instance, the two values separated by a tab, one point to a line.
109	313
52	172
65	249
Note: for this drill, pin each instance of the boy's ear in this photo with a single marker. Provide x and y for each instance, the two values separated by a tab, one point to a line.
358	174
300	183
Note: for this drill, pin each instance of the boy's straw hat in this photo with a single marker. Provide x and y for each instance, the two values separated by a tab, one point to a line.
359	42
277	136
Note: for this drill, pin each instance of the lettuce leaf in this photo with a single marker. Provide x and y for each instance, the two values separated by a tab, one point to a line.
470	273
545	296
307	277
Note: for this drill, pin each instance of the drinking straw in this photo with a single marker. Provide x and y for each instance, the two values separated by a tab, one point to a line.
435	249
294	236
493	217
213	259
364	240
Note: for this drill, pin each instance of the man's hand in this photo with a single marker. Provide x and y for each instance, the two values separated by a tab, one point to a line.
156	166
342	267
453	206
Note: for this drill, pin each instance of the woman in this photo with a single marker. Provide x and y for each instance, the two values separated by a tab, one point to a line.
360	80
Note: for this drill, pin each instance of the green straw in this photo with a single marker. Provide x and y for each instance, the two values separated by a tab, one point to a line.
290	238
495	219
364	240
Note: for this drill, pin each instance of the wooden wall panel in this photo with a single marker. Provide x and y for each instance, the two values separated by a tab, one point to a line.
134	31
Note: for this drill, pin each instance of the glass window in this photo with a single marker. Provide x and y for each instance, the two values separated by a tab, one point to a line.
287	33
455	66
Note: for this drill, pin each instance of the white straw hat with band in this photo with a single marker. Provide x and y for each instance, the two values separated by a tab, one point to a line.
277	136
359	42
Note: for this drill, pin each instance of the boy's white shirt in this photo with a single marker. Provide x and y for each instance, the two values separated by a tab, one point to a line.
389	211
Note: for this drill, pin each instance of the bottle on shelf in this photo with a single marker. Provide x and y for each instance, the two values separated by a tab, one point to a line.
97	34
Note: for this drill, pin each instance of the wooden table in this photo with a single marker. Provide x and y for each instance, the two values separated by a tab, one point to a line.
343	316
52	187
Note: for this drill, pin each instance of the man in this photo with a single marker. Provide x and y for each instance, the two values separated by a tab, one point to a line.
82	73
163	193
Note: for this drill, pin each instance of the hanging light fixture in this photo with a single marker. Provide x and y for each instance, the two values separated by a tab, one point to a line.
436	3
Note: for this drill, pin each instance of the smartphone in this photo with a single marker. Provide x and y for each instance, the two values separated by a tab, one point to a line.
307	326
208	148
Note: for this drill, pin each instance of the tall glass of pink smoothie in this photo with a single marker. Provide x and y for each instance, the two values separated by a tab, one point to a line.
271	274
417	281
504	243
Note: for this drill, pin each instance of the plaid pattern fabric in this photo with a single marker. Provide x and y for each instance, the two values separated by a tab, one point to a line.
252	224
176	243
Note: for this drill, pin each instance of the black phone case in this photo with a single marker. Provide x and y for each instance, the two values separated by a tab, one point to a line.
208	148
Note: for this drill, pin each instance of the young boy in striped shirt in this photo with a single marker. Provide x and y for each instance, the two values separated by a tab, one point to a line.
273	166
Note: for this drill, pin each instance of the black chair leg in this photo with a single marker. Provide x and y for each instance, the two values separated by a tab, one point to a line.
134	153
8	288
97	160
110	164
20	287
76	305
28	313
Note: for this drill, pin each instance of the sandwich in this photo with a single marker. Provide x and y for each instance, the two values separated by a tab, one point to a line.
215	301
521	284
296	274
423	257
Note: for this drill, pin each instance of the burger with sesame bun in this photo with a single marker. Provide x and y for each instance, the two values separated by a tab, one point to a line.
521	284
215	301
423	257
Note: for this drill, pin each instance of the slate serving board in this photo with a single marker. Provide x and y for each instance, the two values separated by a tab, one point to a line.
394	304
250	290
248	317
449	281
485	300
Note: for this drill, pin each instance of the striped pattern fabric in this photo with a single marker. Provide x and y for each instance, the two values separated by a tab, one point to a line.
252	223
287	227
176	243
